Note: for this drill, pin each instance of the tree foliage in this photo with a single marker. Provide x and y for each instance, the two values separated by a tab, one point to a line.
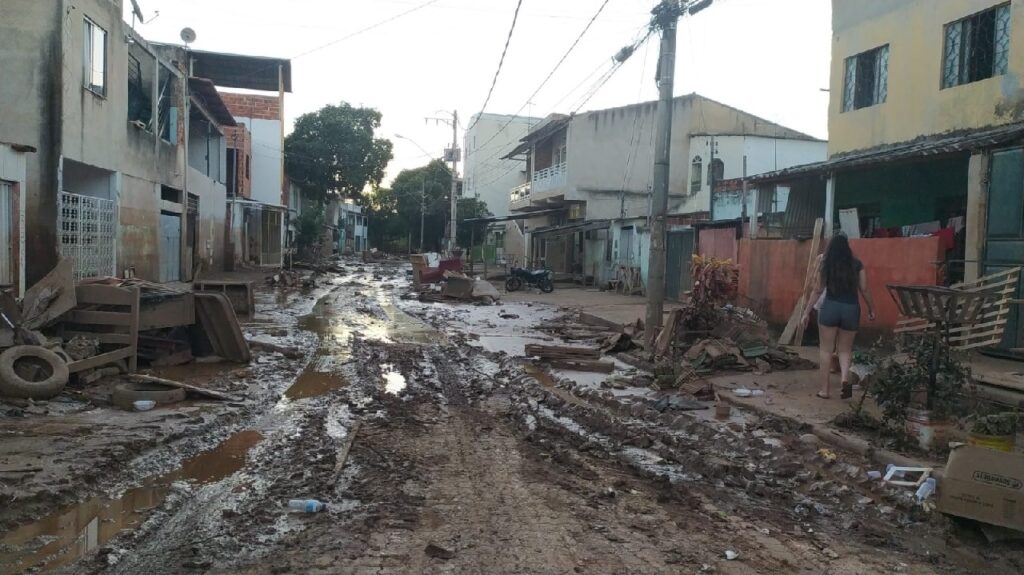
395	211
334	151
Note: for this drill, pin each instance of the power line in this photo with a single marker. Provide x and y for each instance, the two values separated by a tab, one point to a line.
501	62
416	8
551	73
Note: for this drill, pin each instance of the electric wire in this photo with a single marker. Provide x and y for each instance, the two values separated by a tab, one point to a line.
501	62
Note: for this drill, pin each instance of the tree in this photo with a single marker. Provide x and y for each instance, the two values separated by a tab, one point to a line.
334	152
467	234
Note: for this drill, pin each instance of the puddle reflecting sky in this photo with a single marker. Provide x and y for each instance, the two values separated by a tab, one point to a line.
62	538
394	382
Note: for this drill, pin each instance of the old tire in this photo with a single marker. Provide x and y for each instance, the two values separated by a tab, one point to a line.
12	383
546	285
125	395
513	284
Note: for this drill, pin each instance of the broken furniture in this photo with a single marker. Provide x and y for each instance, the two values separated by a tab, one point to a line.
426	275
220	331
240	293
109	314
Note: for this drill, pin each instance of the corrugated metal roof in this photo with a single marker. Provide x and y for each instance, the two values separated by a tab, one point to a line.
950	143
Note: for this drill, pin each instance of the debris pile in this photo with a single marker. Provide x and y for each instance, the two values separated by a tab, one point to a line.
61	332
570	358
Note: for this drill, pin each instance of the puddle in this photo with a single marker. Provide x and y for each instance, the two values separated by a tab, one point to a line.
393	325
64	537
320	376
394	382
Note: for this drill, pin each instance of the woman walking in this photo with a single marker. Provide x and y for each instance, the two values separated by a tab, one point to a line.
842	279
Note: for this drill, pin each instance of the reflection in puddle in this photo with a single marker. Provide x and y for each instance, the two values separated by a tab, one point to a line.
394	382
62	538
394	325
320	376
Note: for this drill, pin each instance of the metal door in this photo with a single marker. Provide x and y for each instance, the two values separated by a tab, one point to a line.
7	234
679	252
170	247
1004	246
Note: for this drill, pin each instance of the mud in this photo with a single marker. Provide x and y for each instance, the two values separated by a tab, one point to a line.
436	452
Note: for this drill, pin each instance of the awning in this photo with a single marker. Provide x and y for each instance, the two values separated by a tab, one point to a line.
952	143
209	98
238	71
522	216
573	228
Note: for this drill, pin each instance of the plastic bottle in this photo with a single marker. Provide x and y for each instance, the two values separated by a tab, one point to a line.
926	489
306	505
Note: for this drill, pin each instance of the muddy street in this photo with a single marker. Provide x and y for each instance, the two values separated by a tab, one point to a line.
436	451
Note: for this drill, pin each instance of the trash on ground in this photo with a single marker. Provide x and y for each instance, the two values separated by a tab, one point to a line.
306	505
984	485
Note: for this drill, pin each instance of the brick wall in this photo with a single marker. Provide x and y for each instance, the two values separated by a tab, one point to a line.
252	106
238	138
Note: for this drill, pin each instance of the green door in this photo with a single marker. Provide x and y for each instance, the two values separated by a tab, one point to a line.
1004	246
678	253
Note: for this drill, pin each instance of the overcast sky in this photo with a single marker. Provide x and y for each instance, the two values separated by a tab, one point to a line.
768	57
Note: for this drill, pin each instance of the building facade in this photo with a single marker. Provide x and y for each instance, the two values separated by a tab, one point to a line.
926	123
586	203
119	158
486	175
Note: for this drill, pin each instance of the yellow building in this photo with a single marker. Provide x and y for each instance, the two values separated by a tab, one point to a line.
926	137
902	69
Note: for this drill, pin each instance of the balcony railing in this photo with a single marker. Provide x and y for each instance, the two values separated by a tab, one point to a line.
520	196
549	178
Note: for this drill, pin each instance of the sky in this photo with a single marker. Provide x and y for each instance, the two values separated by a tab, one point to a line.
767	57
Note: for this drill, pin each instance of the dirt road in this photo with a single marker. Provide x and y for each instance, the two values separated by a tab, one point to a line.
437	453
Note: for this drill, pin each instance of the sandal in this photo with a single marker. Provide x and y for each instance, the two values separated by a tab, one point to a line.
847	391
823	395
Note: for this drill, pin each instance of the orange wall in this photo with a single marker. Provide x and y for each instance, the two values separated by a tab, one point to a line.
718	242
772	271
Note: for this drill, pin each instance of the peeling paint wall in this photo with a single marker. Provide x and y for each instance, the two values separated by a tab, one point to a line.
916	105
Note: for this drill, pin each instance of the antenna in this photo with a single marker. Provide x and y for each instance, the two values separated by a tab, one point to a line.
188	36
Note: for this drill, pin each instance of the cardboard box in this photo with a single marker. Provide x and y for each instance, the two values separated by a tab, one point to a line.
985	485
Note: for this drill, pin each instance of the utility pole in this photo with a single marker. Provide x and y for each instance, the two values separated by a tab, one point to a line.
712	180
666	17
423	208
455	183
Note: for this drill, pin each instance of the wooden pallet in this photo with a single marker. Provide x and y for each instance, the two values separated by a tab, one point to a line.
988	328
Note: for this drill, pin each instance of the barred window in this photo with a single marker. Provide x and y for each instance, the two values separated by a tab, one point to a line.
976	47
866	81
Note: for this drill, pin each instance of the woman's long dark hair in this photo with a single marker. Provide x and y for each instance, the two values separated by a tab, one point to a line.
838	268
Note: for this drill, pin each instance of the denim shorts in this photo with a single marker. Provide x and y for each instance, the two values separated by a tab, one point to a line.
845	316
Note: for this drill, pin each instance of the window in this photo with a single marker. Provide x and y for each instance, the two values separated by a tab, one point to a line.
696	174
716	173
977	47
94	58
867	79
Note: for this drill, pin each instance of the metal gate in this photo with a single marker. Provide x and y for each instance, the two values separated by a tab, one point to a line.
1004	242
678	255
170	247
7	234
88	234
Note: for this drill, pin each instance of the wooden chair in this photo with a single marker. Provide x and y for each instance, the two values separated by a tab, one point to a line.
112	313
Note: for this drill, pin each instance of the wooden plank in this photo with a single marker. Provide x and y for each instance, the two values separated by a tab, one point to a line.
100	360
582	365
668	333
104	295
102	337
100	317
339	464
561	352
187	387
174	312
789	333
808	295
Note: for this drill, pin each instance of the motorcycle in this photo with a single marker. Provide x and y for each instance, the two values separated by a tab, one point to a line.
540	279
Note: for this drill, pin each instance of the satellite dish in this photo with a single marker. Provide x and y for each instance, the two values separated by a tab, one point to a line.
188	35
